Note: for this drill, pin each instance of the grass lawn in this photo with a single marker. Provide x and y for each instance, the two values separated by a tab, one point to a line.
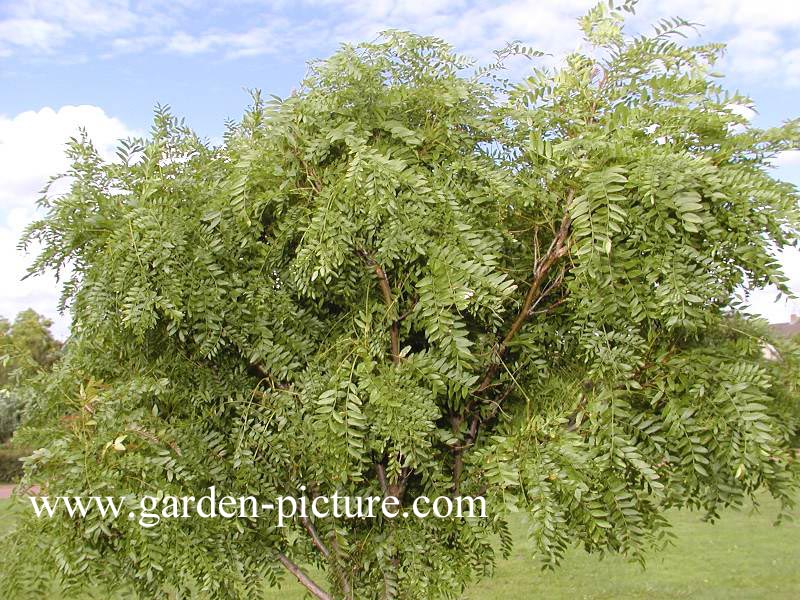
741	557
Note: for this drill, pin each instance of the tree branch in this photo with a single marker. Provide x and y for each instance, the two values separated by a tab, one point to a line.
392	489
388	489
551	306
386	292
315	539
304	579
258	371
320	545
558	248
381	471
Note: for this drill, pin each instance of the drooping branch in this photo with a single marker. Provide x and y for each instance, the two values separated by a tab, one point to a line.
347	589
302	578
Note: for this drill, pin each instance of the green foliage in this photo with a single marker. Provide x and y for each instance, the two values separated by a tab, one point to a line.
27	349
404	279
9	414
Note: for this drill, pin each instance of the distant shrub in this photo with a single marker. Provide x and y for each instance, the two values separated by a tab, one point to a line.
10	465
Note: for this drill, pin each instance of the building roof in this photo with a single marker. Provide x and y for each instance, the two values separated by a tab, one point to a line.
790	329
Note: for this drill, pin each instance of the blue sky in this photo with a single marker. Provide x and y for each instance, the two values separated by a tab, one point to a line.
105	64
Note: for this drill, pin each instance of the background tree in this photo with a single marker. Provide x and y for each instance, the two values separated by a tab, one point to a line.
27	348
408	279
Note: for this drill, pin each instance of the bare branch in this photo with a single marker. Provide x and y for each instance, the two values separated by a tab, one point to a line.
315	539
303	579
557	249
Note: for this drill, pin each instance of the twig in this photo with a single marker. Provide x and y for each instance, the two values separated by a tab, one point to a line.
410	310
550	307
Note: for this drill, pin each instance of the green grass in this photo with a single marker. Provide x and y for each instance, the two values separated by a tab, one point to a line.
741	557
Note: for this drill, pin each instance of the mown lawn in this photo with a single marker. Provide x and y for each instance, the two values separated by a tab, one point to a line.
741	557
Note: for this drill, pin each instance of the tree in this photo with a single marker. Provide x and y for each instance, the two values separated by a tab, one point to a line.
27	348
9	415
409	279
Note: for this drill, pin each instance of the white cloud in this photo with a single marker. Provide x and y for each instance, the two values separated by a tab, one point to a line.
41	26
88	17
476	27
257	40
33	34
754	51
130	45
788	158
763	302
32	148
184	43
791	62
763	36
